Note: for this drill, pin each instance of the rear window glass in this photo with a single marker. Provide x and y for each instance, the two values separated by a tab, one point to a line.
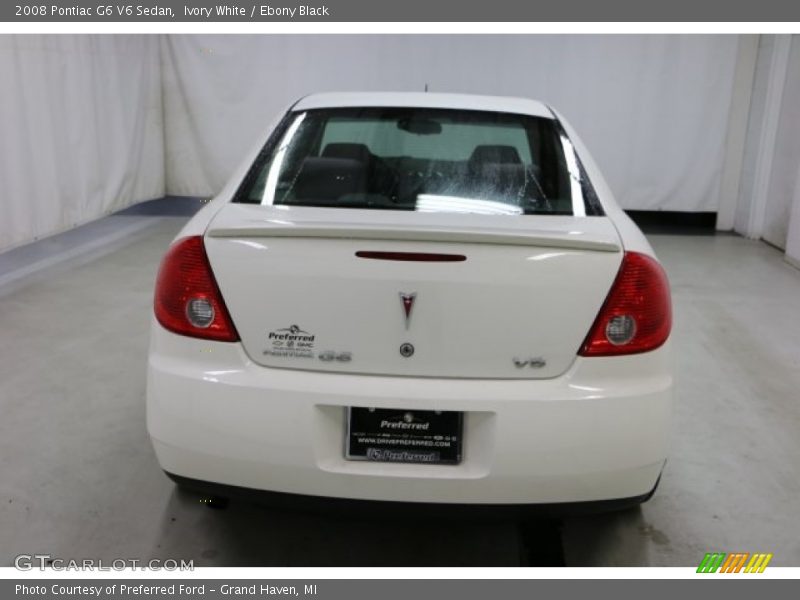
429	160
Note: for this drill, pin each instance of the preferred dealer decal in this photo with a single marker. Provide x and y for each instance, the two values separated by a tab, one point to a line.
291	342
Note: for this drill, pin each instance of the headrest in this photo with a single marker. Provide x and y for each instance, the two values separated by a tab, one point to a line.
494	154
357	152
329	178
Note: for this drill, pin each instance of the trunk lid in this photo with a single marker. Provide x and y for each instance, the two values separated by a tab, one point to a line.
518	305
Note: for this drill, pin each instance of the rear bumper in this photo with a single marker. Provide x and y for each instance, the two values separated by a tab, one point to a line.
598	432
384	508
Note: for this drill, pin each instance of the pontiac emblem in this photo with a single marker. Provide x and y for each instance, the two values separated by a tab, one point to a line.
408	305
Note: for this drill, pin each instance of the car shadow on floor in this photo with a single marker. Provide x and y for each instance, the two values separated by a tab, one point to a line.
246	534
615	539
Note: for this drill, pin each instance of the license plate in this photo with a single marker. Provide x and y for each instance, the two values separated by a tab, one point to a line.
406	436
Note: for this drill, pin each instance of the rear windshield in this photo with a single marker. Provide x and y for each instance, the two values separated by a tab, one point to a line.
427	160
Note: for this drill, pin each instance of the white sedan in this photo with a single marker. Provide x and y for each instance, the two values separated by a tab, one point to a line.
414	297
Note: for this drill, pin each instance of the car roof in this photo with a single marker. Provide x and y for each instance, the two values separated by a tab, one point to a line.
424	100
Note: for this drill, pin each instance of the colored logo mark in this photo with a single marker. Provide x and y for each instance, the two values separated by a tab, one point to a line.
737	562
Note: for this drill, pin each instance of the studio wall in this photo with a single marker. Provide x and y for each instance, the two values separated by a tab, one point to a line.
82	130
782	218
784	170
768	203
653	109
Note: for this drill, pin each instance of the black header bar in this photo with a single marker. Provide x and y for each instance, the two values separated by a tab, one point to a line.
333	11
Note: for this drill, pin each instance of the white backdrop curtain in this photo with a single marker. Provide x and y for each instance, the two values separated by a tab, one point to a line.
91	124
81	130
653	109
786	160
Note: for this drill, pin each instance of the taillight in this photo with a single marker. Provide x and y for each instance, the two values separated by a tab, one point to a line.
187	299
637	314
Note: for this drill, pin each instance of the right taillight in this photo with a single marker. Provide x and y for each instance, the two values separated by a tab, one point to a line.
187	299
637	314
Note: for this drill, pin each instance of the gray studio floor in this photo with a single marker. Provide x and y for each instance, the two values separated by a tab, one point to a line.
78	477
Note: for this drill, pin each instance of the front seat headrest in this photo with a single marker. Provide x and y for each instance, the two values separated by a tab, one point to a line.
496	154
350	151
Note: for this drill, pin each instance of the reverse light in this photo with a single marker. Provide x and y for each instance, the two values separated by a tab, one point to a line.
200	312
637	314
620	329
187	299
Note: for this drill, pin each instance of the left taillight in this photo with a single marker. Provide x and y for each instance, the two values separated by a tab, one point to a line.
187	298
637	314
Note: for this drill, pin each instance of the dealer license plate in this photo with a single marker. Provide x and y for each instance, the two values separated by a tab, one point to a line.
405	436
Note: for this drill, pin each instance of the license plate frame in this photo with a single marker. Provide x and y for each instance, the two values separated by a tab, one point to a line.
406	436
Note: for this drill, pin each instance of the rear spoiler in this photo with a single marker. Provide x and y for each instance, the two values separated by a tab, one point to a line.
578	240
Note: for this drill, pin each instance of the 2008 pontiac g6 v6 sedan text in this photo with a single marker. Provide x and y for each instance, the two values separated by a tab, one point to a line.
414	297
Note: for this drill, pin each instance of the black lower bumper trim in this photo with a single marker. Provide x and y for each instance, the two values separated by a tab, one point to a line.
381	508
